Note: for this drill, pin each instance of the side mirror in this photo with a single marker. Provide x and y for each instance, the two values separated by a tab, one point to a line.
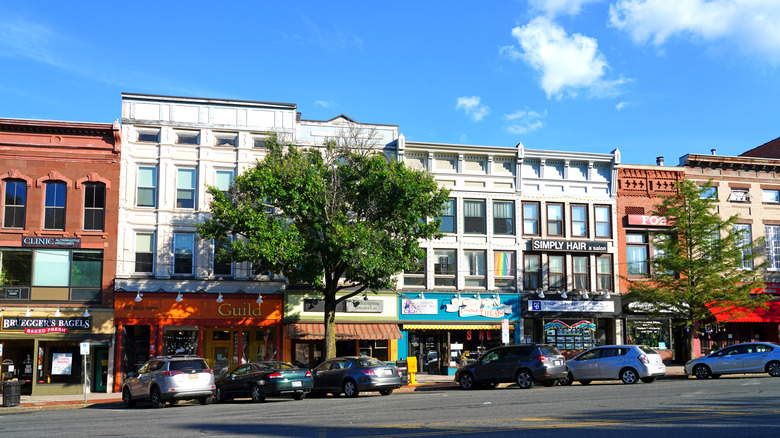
130	374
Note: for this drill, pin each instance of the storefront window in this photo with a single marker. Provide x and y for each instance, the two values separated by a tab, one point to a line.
570	335
61	362
374	348
266	344
16	264
51	267
87	268
180	341
654	334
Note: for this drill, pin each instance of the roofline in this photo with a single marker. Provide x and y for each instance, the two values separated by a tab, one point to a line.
518	150
350	119
56	124
738	160
205	100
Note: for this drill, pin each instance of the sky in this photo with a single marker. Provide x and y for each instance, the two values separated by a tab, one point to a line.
648	77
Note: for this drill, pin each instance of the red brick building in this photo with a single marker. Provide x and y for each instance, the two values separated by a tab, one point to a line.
640	189
59	186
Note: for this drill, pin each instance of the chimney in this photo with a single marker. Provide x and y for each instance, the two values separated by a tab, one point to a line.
713	151
659	161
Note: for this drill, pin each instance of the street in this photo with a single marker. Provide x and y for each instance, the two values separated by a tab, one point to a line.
730	406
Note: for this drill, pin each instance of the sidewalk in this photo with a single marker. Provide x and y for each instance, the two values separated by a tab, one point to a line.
425	382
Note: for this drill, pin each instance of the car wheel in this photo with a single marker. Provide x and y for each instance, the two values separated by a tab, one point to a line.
173	402
156	398
524	379
350	389
466	381
701	371
299	396
386	392
648	379
256	392
773	368
549	383
220	395
584	382
127	399
567	381
205	400
629	376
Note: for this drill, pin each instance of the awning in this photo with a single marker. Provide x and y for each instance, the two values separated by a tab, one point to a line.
739	314
306	331
452	327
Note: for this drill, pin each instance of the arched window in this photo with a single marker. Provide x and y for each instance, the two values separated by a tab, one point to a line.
94	206
54	212
15	203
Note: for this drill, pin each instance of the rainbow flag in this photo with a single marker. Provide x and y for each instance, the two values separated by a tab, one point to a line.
503	264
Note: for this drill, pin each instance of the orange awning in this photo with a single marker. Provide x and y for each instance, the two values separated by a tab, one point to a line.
739	314
306	331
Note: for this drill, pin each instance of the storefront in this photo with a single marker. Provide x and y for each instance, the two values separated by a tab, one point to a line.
572	323
735	325
41	347
443	329
226	331
365	325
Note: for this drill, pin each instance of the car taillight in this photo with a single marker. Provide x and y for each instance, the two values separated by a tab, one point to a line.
208	371
275	376
541	358
171	373
369	372
642	358
308	373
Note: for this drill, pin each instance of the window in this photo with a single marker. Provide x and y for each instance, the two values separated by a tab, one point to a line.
224	180
771	196
147	187
604	273
532	272
187	137
772	233
531	218
185	188
148	135
739	195
223	267
259	142
183	250
744	238
503	217
15	204
602	219
504	268
557	275
416	277
580	272
94	206
474	216
144	252
579	221
225	139
448	217
475	269
709	193
54	213
444	268
555	219
637	254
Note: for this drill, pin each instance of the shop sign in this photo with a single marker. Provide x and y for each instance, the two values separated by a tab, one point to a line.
38	325
571	306
485	307
248	309
365	306
641	219
419	307
61	364
51	242
568	245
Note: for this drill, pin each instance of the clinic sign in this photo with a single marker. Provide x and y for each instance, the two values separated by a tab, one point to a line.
51	242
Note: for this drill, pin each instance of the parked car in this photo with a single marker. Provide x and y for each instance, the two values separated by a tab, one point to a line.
432	362
628	363
170	379
259	380
523	364
750	357
355	374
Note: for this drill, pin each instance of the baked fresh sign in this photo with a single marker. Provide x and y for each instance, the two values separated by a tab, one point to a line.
485	307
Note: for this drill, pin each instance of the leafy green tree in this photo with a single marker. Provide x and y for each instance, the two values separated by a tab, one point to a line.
697	263
336	218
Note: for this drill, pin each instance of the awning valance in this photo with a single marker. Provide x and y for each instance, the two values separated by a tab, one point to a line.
307	331
452	327
738	314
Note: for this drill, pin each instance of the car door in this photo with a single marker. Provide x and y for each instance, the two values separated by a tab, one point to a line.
238	382
489	365
585	366
610	363
319	375
136	382
728	360
755	357
145	380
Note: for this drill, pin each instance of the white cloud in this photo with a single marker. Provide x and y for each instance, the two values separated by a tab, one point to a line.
552	8
750	26
566	62
323	103
472	107
522	121
621	105
464	138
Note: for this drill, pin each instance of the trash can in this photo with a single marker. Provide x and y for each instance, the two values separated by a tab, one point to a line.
12	392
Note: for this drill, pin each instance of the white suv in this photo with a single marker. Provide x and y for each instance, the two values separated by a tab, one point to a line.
170	379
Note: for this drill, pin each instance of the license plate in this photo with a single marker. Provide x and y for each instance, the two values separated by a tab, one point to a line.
297	383
557	362
388	372
193	376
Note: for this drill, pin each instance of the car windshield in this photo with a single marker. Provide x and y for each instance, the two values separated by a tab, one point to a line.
369	362
187	365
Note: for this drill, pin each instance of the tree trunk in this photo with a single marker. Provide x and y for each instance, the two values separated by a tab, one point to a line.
330	325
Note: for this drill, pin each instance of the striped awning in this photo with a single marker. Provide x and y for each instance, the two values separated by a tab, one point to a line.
306	331
452	327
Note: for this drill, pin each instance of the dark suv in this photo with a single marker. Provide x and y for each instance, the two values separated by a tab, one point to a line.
523	364
170	379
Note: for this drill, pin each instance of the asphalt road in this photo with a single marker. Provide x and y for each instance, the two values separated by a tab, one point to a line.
729	406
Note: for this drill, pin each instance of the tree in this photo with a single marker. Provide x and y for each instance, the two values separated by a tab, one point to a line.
342	220
697	262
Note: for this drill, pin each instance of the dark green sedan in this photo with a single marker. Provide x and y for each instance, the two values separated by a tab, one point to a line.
259	380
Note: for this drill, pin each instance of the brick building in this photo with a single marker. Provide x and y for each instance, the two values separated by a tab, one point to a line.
59	183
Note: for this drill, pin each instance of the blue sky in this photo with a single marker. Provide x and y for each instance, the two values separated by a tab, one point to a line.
650	77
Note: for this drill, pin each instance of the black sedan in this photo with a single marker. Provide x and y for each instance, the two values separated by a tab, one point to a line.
259	380
355	374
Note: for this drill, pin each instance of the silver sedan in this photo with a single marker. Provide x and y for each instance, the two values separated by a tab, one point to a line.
628	363
750	357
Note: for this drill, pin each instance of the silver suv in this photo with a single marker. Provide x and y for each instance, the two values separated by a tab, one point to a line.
170	379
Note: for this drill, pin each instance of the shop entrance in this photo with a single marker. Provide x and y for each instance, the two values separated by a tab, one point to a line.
17	363
220	352
100	376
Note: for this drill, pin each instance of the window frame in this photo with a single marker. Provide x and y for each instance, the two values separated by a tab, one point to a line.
144	135
225	139
576	274
744	246
176	258
215	246
475	277
597	222
601	275
499	279
217	174
511	219
708	192
152	188
454	211
136	252
535	221
14	207
561	273
549	222
191	138
448	277
58	211
646	244
772	246
470	221
192	189
92	210
417	277
776	197
586	221
532	274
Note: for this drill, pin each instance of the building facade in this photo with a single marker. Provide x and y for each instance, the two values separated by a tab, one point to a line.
60	185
